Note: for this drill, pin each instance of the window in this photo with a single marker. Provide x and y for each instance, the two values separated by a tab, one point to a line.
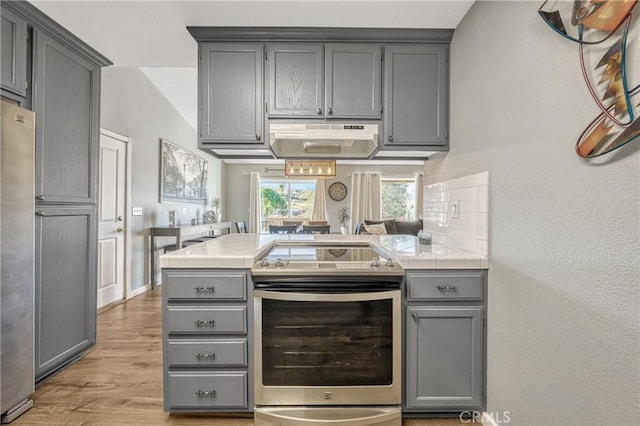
398	198
286	201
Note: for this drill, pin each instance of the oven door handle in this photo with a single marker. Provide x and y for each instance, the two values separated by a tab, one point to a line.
327	297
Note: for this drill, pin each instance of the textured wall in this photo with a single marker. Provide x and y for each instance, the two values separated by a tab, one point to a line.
132	106
563	324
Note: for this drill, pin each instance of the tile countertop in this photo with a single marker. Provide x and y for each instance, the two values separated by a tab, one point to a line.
242	250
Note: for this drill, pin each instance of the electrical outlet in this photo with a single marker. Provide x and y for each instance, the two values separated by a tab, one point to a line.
455	209
136	211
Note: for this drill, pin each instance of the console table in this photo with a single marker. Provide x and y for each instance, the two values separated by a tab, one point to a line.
181	233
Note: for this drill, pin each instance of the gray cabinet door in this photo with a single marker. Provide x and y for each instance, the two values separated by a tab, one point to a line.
66	102
416	92
65	311
352	80
13	61
230	96
444	357
295	80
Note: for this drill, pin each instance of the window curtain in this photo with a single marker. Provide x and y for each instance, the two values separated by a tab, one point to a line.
320	201
255	203
365	196
419	194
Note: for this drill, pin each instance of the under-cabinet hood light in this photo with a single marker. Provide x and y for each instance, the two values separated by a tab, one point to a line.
310	168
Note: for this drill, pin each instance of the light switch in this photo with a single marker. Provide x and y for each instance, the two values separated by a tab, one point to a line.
136	211
455	209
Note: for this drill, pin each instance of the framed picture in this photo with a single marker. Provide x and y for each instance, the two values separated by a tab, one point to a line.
183	175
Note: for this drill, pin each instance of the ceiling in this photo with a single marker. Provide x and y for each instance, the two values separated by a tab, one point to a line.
152	35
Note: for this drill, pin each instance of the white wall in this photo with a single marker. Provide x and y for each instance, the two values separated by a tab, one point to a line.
563	322
237	186
132	106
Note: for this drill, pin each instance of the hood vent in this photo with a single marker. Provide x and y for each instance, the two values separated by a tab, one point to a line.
322	140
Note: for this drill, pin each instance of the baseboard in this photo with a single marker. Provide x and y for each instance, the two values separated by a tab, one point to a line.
487	420
138	291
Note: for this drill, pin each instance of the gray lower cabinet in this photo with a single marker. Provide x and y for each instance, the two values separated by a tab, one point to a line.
445	341
207	329
65	312
416	96
230	94
13	60
66	103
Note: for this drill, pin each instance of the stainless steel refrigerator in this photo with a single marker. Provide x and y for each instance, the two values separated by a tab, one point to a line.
17	267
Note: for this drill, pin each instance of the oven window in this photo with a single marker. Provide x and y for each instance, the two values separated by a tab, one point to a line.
327	343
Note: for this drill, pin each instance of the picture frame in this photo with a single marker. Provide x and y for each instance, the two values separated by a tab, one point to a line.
183	175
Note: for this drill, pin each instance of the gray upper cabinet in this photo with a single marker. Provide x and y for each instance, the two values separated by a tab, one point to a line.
444	357
415	95
295	80
230	97
352	80
13	61
66	101
65	285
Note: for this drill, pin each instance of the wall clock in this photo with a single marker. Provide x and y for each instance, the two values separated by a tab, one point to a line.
337	191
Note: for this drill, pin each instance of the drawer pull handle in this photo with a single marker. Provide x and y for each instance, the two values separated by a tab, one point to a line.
209	393
206	356
209	289
447	288
210	323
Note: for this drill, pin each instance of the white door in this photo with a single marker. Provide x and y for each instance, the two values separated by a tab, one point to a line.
111	237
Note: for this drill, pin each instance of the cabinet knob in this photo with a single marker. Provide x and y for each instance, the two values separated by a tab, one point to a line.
390	138
40	197
319	111
329	110
257	137
119	218
119	229
39	213
414	316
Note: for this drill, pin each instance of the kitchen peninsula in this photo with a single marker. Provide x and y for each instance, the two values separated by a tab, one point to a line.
215	320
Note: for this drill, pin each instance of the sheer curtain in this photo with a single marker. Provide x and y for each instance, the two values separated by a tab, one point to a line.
255	203
365	196
320	201
419	199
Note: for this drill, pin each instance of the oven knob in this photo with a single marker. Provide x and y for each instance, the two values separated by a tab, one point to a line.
279	262
375	262
390	263
264	262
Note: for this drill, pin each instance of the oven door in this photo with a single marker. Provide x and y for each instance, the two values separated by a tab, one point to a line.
327	349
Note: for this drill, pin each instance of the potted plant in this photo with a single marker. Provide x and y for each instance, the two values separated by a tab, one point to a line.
344	214
211	216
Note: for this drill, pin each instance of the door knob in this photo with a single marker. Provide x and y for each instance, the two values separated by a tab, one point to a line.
119	218
120	229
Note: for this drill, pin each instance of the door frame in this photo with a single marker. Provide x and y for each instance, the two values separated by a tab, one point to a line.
128	293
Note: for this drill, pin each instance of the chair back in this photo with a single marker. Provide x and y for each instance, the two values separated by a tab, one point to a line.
282	229
241	227
318	222
316	229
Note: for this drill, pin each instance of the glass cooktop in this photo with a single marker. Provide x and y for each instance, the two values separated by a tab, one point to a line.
323	254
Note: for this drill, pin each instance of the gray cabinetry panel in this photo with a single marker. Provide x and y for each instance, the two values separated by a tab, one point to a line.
352	80
213	286
230	96
207	390
416	91
207	320
445	286
444	357
295	80
65	285
13	63
206	353
66	101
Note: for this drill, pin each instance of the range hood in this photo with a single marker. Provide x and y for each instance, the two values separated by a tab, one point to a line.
322	140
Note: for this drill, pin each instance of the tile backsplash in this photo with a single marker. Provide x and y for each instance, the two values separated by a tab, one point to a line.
456	212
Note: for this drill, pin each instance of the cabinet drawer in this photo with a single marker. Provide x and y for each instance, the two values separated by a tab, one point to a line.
207	286
444	286
207	320
202	390
206	353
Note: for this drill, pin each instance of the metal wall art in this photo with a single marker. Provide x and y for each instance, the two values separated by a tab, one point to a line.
600	28
183	175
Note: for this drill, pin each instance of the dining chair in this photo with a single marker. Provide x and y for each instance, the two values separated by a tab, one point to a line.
316	229
283	229
318	222
241	227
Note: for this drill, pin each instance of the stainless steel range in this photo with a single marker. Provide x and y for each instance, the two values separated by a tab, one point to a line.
327	337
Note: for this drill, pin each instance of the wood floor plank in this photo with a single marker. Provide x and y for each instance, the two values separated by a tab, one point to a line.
119	382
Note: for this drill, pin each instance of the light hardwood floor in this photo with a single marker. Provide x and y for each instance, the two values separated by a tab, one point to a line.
119	382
